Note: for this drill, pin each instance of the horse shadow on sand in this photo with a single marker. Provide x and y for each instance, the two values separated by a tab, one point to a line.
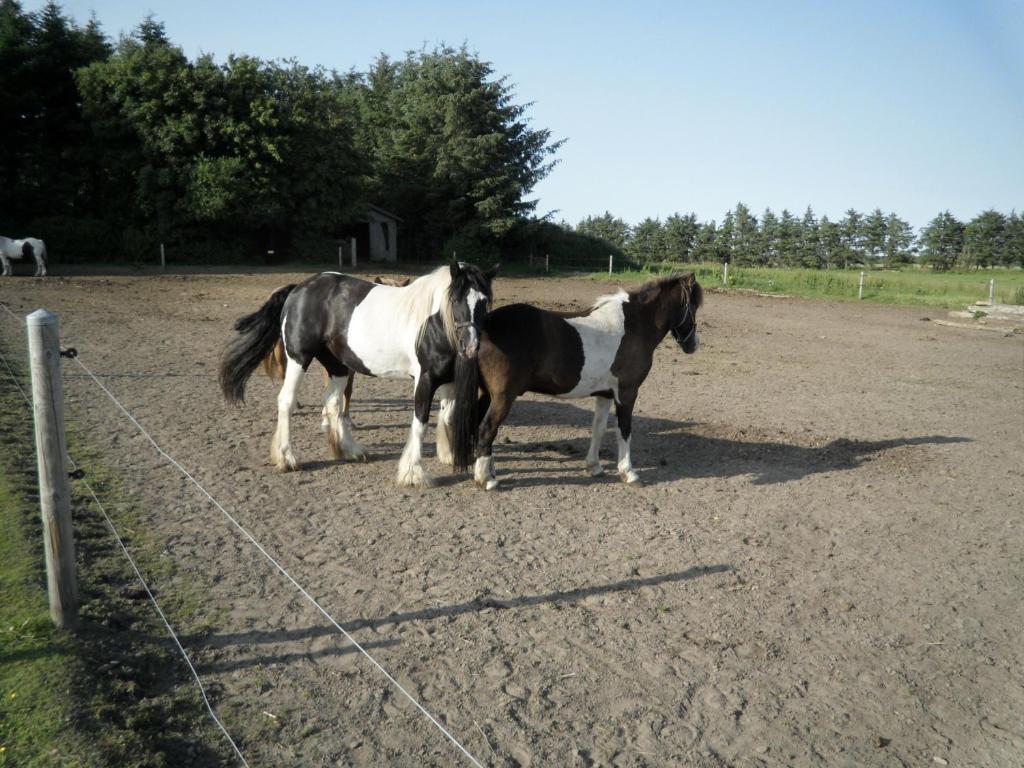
238	649
664	450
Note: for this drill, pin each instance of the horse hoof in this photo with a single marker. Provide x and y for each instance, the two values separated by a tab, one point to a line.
630	477
595	470
491	484
356	453
286	464
415	478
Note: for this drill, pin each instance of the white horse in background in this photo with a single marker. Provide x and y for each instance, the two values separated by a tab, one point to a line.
26	248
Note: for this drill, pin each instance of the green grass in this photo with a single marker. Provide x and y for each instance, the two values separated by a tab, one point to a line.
114	692
35	657
911	286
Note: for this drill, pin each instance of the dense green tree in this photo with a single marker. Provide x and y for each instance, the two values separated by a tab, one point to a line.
681	236
705	245
450	148
45	162
745	235
789	239
850	229
648	242
809	251
769	238
942	242
606	227
985	240
899	241
724	238
873	232
833	250
1013	252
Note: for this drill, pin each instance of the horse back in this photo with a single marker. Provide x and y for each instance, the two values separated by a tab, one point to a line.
528	349
316	317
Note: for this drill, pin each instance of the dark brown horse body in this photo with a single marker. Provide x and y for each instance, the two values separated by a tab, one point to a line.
605	353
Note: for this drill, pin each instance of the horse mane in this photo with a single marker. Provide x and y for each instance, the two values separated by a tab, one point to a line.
419	300
696	294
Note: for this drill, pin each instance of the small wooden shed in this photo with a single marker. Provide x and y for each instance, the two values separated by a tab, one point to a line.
375	233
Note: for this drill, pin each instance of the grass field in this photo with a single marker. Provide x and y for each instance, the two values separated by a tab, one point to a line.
951	290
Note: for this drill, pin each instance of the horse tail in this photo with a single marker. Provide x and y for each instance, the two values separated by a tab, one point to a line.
258	335
464	412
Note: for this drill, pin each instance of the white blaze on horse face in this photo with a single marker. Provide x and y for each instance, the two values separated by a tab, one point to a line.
383	336
601	333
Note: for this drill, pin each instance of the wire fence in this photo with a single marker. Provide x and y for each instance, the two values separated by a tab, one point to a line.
897	286
242	531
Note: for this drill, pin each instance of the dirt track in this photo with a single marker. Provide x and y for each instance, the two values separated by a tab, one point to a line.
824	565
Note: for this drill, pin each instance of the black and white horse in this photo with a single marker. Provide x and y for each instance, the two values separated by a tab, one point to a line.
605	353
428	331
27	248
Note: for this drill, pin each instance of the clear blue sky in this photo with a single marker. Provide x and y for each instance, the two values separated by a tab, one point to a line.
913	107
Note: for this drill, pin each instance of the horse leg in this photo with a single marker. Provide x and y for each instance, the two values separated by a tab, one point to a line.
339	433
40	264
602	405
6	264
329	391
483	471
281	453
444	424
410	466
624	415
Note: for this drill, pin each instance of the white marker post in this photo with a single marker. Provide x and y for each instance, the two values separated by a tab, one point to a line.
341	256
860	288
51	449
547	262
609	263
163	261
991	292
725	273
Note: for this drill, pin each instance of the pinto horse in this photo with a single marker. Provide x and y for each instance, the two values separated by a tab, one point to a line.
428	331
604	353
28	248
274	364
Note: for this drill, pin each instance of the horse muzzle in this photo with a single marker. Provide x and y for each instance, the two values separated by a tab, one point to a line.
468	341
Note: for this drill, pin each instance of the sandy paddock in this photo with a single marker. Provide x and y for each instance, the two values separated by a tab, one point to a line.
824	564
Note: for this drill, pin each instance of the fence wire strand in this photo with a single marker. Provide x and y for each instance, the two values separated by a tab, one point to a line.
138	574
273	561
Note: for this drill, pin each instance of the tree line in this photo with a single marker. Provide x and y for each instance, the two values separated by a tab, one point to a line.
783	240
108	148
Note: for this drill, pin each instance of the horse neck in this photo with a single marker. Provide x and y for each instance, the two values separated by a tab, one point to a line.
429	295
653	321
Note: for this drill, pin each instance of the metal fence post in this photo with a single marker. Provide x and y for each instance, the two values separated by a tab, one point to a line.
355	258
610	263
547	262
51	449
163	261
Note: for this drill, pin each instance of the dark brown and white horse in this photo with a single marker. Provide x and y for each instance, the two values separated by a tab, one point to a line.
605	353
427	331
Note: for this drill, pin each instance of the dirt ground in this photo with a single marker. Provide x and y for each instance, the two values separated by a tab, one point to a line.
823	566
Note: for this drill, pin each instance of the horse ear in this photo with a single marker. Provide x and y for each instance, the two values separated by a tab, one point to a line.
490	273
454	267
647	295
